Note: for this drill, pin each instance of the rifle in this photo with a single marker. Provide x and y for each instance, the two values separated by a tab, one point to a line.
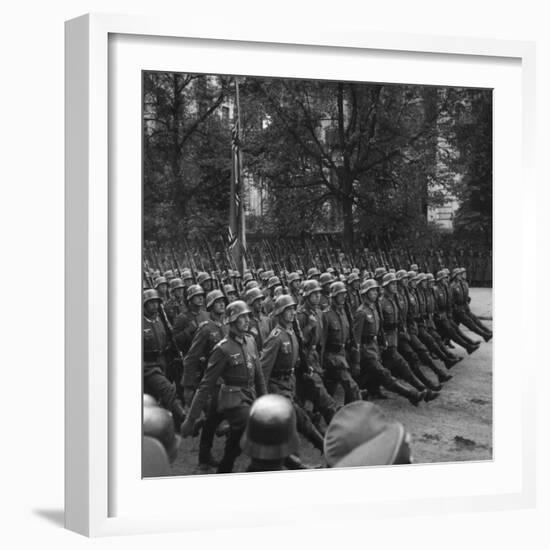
191	261
216	271
175	261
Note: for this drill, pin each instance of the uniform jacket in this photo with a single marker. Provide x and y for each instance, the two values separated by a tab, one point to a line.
367	327
155	342
185	327
174	308
413	310
440	295
260	327
280	354
336	330
354	299
236	362
390	319
311	323
208	334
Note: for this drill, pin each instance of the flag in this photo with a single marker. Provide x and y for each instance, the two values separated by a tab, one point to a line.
236	232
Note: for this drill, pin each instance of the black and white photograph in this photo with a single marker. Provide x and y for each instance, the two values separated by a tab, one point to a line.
317	274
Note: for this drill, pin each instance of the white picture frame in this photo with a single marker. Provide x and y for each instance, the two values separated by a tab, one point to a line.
103	416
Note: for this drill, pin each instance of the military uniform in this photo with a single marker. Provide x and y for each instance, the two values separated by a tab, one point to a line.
185	327
174	307
313	388
368	332
155	381
260	327
391	356
354	299
235	360
278	360
336	338
324	302
462	313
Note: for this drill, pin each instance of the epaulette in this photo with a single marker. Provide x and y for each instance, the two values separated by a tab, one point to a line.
222	341
202	324
275	332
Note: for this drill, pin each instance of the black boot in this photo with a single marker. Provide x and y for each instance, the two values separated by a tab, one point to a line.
206	460
431	395
414	396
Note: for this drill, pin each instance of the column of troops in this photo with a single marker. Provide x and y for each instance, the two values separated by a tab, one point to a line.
213	343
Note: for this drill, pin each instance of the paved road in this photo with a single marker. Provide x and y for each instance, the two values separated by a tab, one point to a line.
457	426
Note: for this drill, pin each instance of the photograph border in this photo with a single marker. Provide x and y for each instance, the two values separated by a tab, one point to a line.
88	434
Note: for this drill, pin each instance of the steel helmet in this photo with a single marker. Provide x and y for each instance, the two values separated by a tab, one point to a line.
194	290
313	272
271	429
176	283
235	309
353	276
441	274
277	291
169	274
326	278
186	274
411	274
273	281
388	278
310	286
414	267
252	283
283	302
159	424
160	281
253	294
367	285
421	277
149	401
401	274
156	274
268	274
456	271
248	277
446	270
293	277
430	277
229	289
212	296
337	288
151	294
379	272
202	277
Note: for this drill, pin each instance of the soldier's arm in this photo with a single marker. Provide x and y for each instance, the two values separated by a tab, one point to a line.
269	354
358	323
214	370
191	361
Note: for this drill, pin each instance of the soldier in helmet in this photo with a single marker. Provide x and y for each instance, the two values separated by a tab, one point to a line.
410	346
279	360
446	328
354	297
420	315
310	320
231	293
397	364
208	334
175	304
461	301
155	345
313	273
294	282
205	280
235	361
325	280
161	286
270	437
272	283
370	337
187	322
336	341
260	324
158	423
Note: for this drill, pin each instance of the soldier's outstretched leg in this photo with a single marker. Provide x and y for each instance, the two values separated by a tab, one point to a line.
338	372
406	351
440	352
447	331
237	419
424	356
314	389
477	322
464	335
462	318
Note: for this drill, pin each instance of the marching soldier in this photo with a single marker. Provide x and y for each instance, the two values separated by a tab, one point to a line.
354	297
155	346
260	324
187	322
313	273
325	280
205	280
161	286
175	304
441	315
270	300
408	306
294	281
462	313
369	335
311	324
231	293
390	323
208	334
336	341
420	316
279	360
235	361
